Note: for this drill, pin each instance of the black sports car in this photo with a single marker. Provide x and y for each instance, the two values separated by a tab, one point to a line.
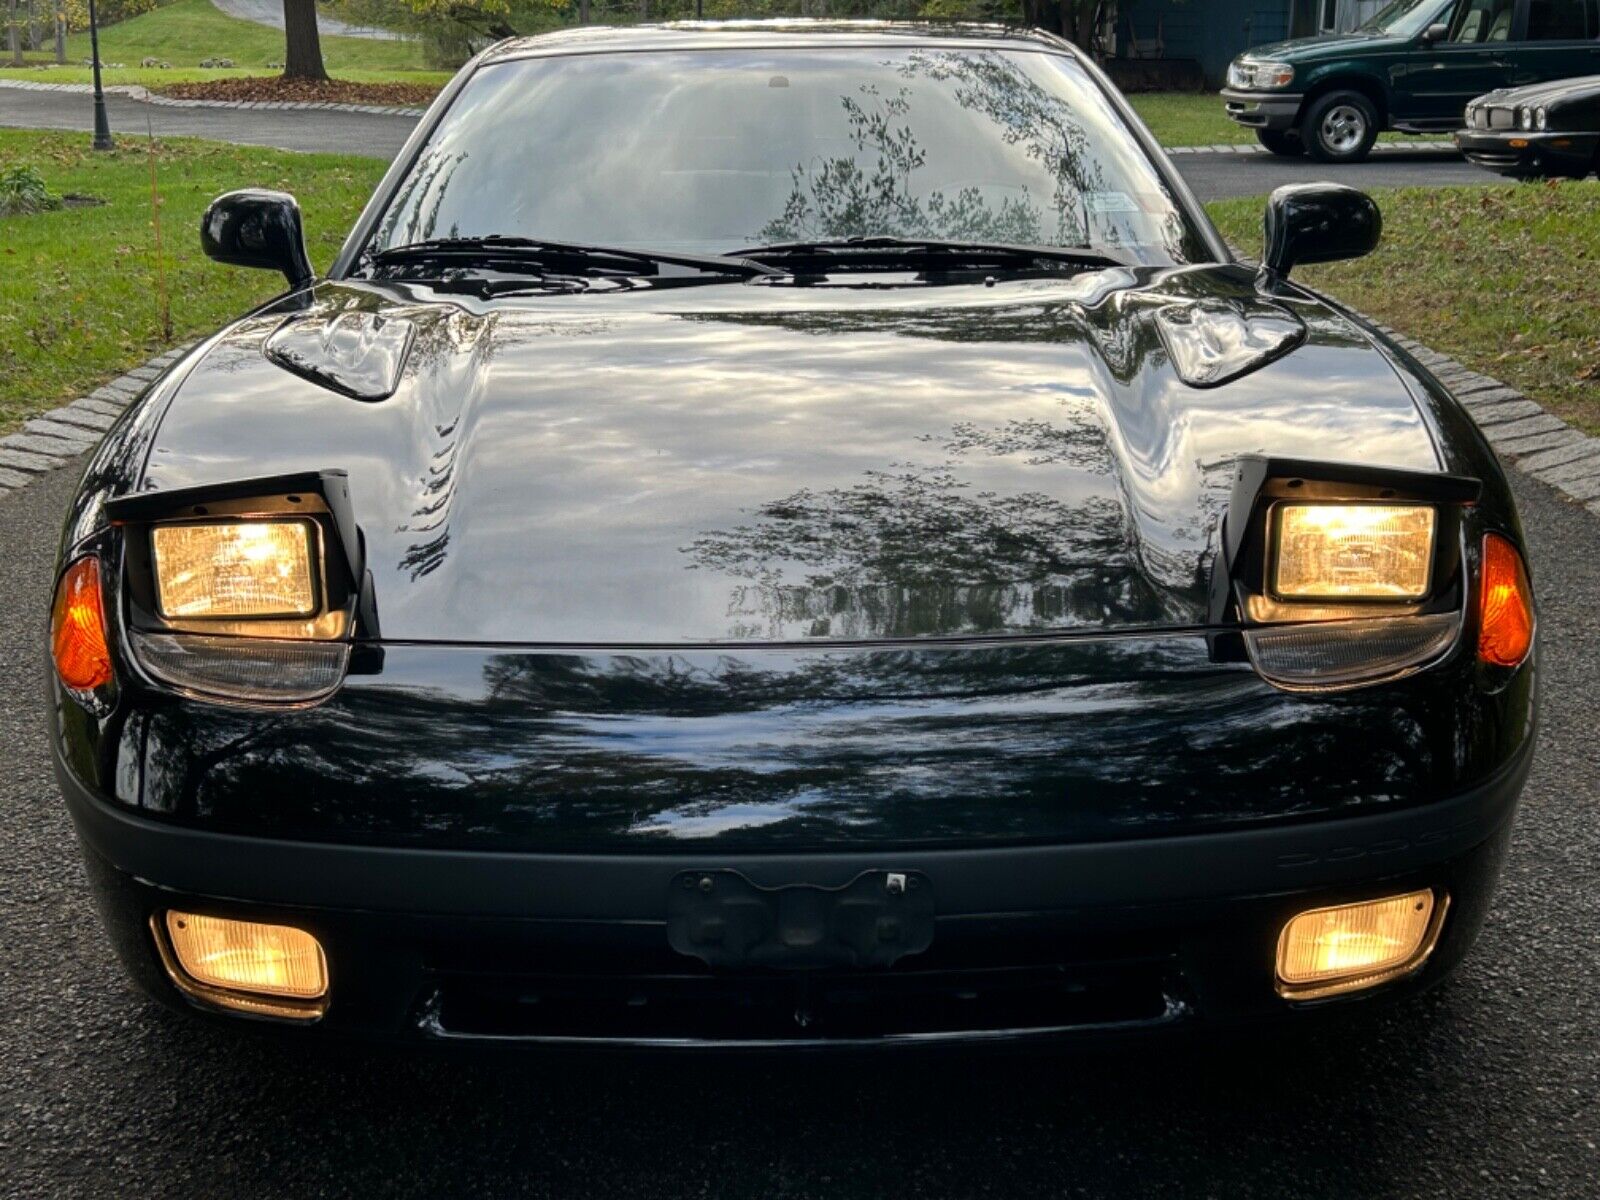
790	534
1541	130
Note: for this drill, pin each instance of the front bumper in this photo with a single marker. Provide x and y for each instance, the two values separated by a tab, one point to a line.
1276	111
1029	941
1525	155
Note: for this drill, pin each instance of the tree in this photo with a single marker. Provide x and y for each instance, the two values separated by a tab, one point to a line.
303	46
1078	20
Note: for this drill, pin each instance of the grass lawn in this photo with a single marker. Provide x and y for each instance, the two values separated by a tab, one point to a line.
1197	119
187	31
77	286
1504	278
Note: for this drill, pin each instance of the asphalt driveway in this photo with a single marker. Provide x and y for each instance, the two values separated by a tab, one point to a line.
1489	1086
1212	176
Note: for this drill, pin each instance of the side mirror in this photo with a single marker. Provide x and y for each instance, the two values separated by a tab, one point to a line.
1437	32
255	228
1318	222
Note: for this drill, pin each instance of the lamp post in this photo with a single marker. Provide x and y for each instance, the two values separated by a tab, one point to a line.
102	126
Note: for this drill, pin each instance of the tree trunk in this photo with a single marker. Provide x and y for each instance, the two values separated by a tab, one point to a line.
13	42
1077	21
302	57
61	32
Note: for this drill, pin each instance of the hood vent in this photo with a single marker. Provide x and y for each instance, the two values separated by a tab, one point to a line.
1213	341
358	354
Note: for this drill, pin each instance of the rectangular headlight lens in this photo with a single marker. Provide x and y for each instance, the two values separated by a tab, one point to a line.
1353	551
235	569
1352	946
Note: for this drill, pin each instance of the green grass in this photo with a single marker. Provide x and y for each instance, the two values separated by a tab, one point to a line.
1504	278
187	31
77	286
1197	119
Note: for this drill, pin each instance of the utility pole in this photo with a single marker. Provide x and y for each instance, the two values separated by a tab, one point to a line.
102	124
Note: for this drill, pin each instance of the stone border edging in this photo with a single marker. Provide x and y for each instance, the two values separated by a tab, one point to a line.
1522	433
1433	146
135	91
54	439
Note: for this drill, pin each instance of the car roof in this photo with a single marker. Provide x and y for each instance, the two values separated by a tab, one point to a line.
783	34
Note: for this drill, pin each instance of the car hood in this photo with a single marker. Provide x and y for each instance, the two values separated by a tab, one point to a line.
1325	45
1556	91
756	463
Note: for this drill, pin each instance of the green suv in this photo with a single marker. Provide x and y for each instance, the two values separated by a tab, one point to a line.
1413	67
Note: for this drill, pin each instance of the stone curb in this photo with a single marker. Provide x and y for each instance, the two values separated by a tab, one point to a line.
1379	150
1522	434
134	92
53	439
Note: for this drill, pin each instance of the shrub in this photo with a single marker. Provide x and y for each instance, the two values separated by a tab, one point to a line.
22	190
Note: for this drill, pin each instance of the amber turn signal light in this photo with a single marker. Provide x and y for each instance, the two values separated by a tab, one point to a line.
1352	947
1505	606
269	970
78	628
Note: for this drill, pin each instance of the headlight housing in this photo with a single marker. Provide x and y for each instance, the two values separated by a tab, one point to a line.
1524	117
1342	575
1245	73
1541	119
247	593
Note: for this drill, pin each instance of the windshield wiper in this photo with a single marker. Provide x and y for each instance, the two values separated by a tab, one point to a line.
503	248
862	250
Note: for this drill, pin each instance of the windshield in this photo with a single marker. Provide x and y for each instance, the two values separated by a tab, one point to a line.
708	151
1406	18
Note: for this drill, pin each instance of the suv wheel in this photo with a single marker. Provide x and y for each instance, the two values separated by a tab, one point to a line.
1339	127
1281	142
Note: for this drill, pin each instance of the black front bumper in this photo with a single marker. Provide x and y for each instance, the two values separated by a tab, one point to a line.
1263	110
1528	155
1028	941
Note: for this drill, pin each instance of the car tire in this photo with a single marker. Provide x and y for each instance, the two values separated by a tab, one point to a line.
1282	142
1339	127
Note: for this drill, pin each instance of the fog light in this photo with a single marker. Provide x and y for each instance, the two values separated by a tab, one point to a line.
1349	947
271	970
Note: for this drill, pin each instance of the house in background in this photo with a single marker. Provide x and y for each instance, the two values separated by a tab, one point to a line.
1189	43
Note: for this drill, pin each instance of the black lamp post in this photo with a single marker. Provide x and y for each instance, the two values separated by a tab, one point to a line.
102	126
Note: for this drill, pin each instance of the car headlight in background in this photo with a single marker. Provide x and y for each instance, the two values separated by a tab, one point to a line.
1246	74
1541	119
1352	551
235	569
1524	118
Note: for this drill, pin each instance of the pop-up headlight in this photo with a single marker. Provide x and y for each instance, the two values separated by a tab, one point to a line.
1342	575
250	591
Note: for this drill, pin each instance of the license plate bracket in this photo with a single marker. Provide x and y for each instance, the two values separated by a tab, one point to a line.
725	920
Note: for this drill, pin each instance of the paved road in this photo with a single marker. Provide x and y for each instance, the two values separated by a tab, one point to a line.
270	12
1488	1087
1213	176
287	129
1218	176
